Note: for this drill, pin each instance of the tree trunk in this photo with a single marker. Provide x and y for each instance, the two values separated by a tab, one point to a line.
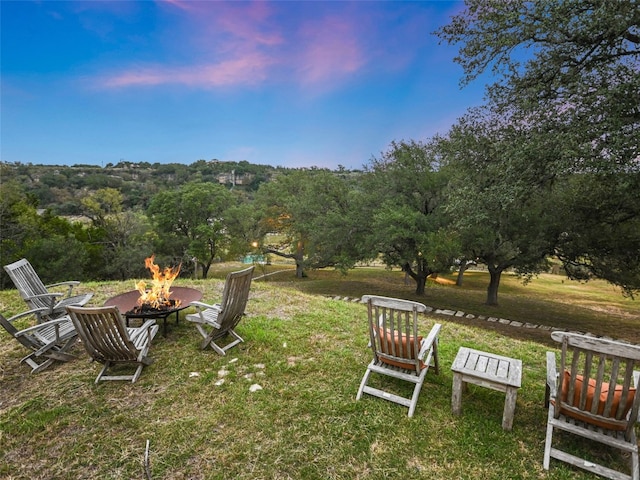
494	283
299	256
463	268
420	277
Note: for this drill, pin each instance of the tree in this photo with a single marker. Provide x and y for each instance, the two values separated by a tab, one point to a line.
405	189
18	221
571	67
243	227
122	236
311	214
498	197
192	219
52	244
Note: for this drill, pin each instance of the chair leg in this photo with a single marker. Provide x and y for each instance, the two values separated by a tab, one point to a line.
216	348
414	399
548	440
35	366
363	384
222	350
102	372
237	340
136	375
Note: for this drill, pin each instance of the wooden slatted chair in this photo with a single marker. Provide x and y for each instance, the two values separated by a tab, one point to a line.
398	350
38	296
49	342
109	341
591	395
215	322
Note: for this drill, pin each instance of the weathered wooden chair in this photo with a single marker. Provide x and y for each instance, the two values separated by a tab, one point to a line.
37	295
591	395
398	350
48	342
109	341
217	321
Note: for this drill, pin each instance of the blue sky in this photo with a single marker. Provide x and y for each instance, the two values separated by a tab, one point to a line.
293	84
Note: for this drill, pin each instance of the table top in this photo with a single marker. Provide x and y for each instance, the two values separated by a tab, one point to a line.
128	300
488	366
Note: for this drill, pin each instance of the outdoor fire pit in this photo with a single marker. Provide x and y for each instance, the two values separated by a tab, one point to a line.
158	300
127	303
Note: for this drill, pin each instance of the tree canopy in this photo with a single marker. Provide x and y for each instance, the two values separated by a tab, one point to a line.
570	69
405	190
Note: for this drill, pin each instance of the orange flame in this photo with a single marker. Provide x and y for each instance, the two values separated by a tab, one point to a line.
158	294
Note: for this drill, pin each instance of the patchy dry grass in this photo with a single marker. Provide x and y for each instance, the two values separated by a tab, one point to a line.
308	354
596	307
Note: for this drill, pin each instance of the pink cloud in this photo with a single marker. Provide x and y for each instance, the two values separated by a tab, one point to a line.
242	43
229	22
243	71
330	48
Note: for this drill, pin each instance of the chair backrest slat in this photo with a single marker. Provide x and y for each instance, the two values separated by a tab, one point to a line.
28	341
595	383
103	331
234	298
393	331
27	282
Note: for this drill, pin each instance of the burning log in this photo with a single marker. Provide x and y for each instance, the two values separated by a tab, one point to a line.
155	298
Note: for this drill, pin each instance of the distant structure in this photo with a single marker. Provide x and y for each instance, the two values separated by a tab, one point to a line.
233	179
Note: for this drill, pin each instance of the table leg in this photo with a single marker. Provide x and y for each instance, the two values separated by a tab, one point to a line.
509	408
164	327
456	396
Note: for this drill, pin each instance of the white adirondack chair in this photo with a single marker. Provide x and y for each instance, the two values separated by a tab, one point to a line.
39	297
109	341
591	395
214	322
398	350
48	342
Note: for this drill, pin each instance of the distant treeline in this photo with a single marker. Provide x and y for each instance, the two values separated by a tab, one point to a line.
58	187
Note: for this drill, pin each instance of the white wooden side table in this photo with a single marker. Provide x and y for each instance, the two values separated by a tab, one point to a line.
487	370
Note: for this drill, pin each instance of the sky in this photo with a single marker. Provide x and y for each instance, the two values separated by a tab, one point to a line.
283	83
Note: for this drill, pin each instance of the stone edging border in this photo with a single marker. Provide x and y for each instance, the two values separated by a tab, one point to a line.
503	321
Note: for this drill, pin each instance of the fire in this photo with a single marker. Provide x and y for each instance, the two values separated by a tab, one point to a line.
157	295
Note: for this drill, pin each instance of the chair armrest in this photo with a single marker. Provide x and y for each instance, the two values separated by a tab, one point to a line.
144	329
204	306
27	313
46	324
552	378
46	295
69	284
428	342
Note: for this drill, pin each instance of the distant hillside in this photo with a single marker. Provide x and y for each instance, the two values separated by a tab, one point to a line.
60	188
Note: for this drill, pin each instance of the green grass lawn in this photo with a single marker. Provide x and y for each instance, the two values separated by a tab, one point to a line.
308	353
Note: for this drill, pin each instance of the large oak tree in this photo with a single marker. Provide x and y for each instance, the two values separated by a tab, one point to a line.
309	216
405	190
572	69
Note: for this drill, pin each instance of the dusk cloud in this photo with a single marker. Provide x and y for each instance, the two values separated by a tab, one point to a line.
271	82
237	44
